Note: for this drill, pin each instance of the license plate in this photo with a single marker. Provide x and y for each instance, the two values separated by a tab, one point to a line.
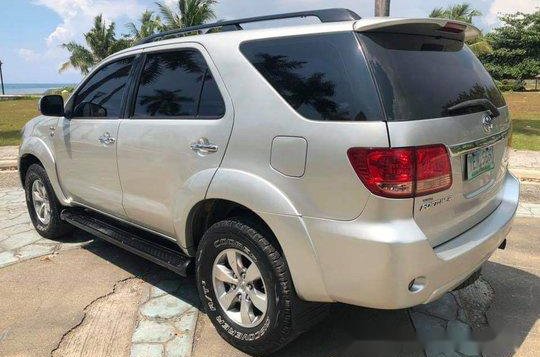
479	162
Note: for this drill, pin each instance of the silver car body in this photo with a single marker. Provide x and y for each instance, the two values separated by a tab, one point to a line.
342	243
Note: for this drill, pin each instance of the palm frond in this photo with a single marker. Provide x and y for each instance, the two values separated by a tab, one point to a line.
101	42
438	12
171	19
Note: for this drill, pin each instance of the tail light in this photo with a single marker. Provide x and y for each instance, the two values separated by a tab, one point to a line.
403	172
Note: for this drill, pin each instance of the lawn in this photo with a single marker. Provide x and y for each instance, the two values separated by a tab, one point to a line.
524	107
525	112
13	115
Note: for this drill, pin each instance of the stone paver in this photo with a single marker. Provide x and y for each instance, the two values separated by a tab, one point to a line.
166	321
18	239
529	210
443	327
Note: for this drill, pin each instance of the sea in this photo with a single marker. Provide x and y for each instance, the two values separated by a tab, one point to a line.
32	88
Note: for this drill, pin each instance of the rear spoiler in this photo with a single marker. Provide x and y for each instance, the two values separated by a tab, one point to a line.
453	29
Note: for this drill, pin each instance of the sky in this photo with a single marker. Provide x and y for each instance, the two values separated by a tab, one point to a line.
31	31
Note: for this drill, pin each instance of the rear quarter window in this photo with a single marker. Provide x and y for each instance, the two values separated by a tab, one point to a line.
323	77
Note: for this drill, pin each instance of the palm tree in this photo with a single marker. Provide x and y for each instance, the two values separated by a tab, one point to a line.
101	41
462	12
187	13
382	8
438	12
150	24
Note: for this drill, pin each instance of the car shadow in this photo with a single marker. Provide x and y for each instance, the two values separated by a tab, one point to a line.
141	268
514	311
355	331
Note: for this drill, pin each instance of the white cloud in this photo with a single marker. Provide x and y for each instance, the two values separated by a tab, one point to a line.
78	15
28	55
501	7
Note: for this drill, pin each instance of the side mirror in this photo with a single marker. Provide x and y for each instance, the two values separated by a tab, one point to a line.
52	105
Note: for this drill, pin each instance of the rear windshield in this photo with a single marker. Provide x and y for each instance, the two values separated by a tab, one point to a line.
323	77
420	77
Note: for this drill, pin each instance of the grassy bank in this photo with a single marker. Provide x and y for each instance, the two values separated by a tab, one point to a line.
13	115
525	109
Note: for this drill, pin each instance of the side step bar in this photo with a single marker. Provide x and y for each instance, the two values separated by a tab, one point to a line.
134	240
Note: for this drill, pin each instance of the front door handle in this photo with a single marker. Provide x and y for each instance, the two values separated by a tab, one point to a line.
107	139
204	147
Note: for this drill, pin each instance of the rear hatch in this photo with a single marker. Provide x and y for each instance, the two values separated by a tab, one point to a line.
435	91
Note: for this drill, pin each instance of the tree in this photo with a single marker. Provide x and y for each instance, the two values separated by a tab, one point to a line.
187	13
382	8
101	41
462	12
516	47
150	24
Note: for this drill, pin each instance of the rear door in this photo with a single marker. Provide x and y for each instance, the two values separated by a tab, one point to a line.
176	136
435	90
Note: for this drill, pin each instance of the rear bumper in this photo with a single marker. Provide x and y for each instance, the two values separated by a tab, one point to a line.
371	263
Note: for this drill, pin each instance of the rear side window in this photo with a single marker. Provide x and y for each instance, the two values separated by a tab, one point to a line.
323	77
101	96
177	84
420	77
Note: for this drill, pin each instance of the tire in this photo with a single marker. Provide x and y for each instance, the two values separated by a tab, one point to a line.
54	227
286	315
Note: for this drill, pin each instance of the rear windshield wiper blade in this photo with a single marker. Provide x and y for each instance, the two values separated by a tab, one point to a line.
484	103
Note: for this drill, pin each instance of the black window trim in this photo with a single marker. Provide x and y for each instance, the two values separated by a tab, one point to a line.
134	90
69	107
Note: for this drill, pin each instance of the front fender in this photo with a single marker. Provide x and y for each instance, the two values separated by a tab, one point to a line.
278	212
37	147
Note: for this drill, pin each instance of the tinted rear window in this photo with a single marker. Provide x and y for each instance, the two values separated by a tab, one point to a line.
420	77
323	77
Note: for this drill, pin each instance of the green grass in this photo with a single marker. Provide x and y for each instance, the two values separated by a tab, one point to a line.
525	112
13	115
524	108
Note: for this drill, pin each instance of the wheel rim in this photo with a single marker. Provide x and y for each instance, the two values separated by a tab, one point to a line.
40	199
240	288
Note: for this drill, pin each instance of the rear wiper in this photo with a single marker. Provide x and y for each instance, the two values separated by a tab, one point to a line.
484	103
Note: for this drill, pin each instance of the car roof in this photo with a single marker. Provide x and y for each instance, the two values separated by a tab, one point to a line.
235	37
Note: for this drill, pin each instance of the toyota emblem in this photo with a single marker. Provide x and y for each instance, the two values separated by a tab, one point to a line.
487	123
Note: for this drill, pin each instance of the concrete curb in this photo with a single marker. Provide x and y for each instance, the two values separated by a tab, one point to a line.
527	174
8	165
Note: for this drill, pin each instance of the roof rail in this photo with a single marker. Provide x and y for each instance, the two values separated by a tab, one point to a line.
325	15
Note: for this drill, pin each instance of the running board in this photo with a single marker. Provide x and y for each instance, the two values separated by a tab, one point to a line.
144	244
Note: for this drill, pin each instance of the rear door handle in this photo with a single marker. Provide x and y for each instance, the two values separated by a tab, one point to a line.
204	147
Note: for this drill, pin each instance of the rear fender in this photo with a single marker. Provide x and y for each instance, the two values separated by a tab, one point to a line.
278	212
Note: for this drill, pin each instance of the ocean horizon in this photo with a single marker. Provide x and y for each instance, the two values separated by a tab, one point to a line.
32	88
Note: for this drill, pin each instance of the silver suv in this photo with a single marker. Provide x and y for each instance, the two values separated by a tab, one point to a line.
361	161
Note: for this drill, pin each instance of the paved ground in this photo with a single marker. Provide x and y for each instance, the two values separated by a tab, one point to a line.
502	310
81	297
